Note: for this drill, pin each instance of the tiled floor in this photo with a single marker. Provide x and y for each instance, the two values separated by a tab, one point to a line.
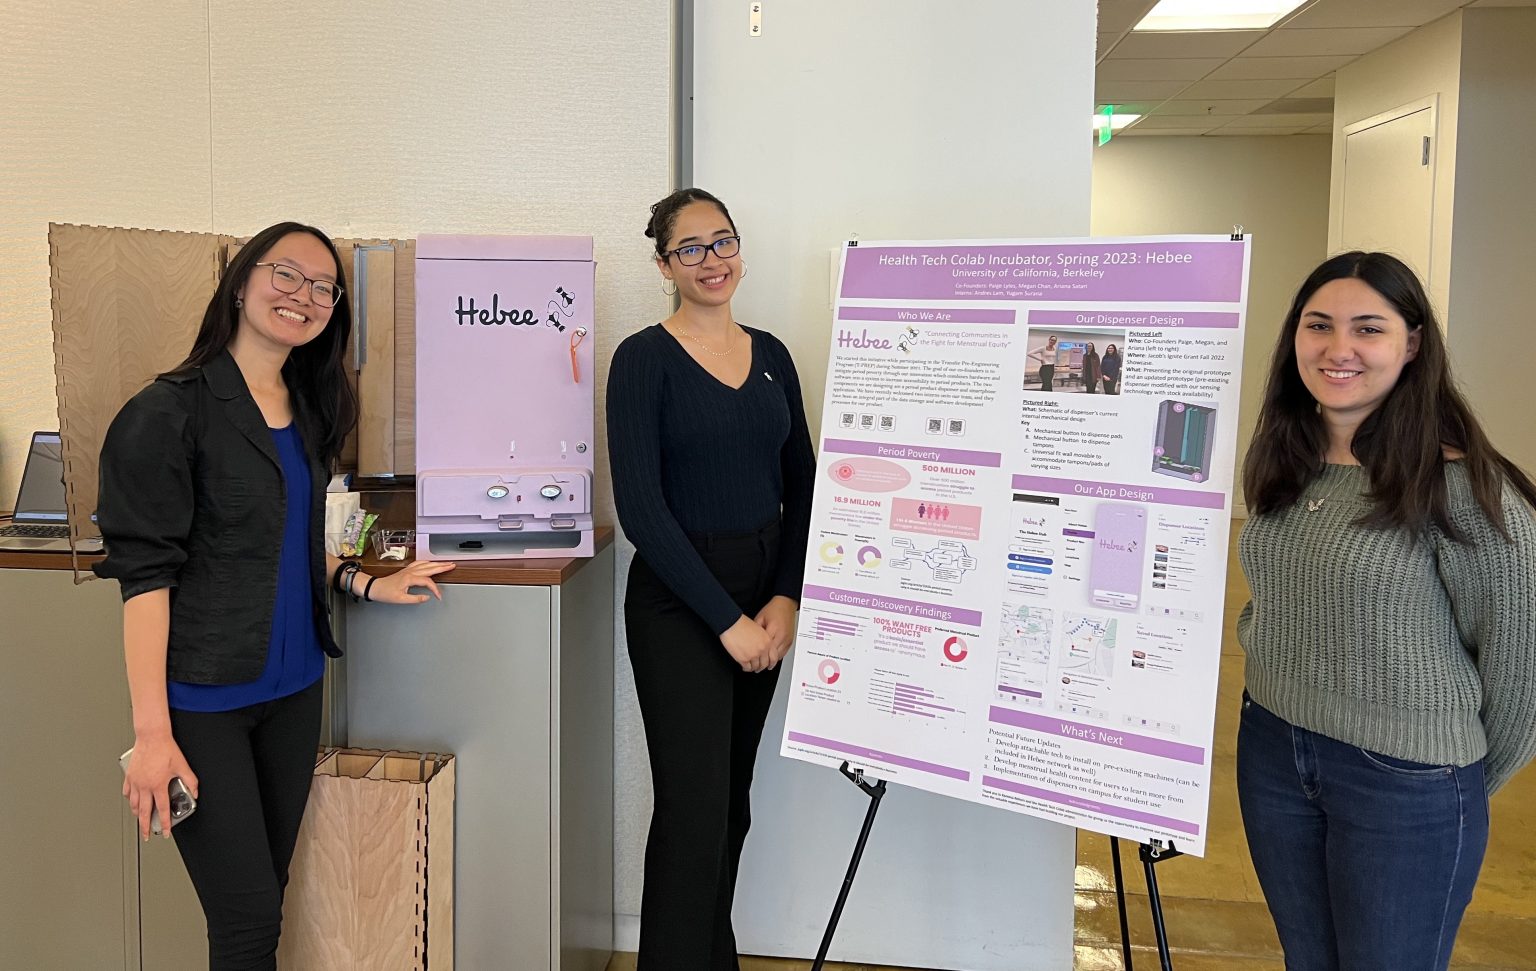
1213	907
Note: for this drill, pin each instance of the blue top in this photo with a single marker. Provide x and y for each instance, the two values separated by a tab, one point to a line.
294	658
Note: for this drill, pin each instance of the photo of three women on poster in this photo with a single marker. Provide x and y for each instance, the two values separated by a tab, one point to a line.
1072	361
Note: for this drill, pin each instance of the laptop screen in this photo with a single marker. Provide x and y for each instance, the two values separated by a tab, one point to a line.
42	482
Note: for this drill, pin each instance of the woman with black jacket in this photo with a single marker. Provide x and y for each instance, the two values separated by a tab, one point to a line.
212	507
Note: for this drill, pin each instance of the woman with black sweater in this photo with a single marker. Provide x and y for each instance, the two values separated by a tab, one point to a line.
712	475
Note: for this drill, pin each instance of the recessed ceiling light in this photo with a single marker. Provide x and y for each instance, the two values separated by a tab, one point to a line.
1116	122
1216	14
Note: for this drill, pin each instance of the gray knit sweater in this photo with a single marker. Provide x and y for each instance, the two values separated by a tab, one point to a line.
1403	643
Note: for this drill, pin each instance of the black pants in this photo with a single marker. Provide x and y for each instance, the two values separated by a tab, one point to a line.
253	768
703	719
1047	373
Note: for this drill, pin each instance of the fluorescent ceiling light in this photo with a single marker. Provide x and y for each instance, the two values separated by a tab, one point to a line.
1216	14
1118	121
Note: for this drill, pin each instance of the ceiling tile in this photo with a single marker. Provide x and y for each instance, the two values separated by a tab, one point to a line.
1137	131
1187	43
1289	42
1373	13
1254	68
1119	92
1241	89
1505	3
1321	129
1185	122
1106	43
1278	121
1298	106
1217	107
1254	132
1120	15
1321	88
1160	68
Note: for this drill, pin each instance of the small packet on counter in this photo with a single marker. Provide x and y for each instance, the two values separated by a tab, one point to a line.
354	535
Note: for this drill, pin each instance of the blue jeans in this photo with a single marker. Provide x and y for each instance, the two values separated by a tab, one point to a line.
1367	861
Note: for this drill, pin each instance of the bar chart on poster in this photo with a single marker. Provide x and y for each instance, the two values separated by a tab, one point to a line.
1014	586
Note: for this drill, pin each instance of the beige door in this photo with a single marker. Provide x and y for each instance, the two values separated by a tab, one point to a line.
1389	171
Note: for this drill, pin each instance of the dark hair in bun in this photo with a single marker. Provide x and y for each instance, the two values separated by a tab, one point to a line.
664	215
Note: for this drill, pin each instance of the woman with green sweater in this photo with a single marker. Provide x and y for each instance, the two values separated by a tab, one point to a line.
1391	639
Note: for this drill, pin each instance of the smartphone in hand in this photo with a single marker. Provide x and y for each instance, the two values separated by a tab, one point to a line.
182	803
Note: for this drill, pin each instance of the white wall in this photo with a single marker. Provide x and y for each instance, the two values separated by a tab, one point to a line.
1424	63
1276	186
884	119
1490	319
384	119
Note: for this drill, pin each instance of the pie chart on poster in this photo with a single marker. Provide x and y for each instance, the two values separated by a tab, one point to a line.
828	671
955	649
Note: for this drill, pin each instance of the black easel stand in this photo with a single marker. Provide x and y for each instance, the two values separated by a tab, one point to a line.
875	791
1151	854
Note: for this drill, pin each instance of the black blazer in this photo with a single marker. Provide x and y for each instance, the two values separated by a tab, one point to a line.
192	498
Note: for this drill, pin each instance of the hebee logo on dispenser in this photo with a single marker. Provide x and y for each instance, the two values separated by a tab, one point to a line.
493	316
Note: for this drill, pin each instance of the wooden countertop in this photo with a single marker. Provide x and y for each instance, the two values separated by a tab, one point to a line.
12	560
543	572
550	572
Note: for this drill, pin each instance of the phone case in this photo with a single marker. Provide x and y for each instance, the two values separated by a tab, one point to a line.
179	795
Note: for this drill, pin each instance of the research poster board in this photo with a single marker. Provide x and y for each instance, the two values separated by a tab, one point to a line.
1015	580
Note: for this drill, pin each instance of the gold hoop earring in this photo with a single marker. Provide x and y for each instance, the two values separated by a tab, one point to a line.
743	269
672	292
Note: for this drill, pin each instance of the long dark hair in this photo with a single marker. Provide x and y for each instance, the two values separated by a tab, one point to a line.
664	215
315	373
1402	444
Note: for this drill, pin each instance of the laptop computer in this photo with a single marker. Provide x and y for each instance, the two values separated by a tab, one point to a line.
40	524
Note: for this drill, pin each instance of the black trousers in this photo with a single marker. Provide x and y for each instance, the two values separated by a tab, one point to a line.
1047	374
254	767
703	719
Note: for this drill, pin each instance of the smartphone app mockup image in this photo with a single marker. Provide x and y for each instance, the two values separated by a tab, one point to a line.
1119	552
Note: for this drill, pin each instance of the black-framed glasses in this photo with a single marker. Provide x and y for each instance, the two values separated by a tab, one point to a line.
725	247
285	279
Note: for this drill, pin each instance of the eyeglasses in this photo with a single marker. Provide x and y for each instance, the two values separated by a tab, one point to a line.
285	279
725	247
